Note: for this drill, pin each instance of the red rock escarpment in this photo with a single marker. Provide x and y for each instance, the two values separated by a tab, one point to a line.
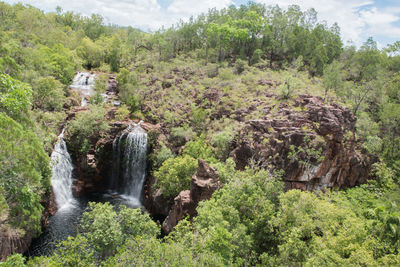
313	142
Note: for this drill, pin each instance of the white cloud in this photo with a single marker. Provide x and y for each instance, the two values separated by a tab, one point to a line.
381	22
191	7
145	14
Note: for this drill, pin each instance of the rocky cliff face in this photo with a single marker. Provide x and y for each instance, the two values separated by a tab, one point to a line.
313	142
202	186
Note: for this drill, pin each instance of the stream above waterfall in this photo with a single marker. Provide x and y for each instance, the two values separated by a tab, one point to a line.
84	82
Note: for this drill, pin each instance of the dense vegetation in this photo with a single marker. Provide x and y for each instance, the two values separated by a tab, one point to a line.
168	77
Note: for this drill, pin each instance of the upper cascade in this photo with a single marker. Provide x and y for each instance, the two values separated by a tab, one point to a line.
84	83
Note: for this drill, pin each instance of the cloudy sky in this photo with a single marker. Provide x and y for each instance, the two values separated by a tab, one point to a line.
358	19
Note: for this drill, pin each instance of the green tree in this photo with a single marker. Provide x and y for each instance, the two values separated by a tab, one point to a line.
15	97
332	78
91	54
175	175
87	124
102	229
48	94
24	175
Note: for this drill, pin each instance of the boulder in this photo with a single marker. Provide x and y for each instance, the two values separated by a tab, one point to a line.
203	184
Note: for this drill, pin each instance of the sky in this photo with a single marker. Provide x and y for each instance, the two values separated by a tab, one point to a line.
358	19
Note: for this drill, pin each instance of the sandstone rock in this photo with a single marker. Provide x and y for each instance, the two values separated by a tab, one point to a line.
12	242
204	182
183	205
202	186
313	125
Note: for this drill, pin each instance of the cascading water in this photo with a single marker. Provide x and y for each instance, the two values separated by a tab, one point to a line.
63	223
61	179
84	83
129	163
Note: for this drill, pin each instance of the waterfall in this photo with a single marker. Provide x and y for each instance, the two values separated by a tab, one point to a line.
129	162
84	83
61	179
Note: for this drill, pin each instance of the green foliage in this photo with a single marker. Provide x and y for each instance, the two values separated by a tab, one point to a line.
199	149
133	101
48	94
86	125
226	74
222	142
250	220
235	223
256	58
100	83
175	175
102	229
75	251
126	77
287	88
122	113
160	155
199	118
91	53
333	77
15	97
15	260
134	223
60	62
103	232
24	175
240	66
181	135
154	252
115	54
127	87
308	154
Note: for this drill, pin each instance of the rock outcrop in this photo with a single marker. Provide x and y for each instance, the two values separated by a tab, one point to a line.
202	186
313	142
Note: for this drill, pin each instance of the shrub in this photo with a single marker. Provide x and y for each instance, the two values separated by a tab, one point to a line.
122	113
100	83
256	58
133	103
15	97
181	135
199	149
199	118
222	143
212	70
160	155
240	66
24	175
126	77
226	74
86	125
175	175
48	94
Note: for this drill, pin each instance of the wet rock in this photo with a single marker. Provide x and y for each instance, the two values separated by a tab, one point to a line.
112	83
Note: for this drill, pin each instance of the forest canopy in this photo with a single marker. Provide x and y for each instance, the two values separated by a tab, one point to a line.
203	82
